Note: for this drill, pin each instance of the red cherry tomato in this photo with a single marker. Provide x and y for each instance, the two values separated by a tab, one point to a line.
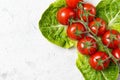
116	54
73	3
99	61
111	38
87	46
75	31
64	14
88	12
98	26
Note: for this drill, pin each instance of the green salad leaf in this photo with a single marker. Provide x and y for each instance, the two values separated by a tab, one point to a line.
111	73
109	10
51	29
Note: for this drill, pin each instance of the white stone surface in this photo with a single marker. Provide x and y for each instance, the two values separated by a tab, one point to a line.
24	53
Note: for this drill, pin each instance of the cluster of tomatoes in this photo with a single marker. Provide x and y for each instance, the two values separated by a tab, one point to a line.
90	32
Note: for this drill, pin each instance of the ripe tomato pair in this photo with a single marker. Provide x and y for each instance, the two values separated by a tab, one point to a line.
97	26
73	11
100	60
84	10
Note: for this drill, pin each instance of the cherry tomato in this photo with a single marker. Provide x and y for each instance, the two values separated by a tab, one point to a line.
98	26
73	3
111	38
87	46
99	60
75	31
88	12
64	14
116	54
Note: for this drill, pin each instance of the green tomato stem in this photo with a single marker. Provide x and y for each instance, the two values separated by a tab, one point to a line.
99	42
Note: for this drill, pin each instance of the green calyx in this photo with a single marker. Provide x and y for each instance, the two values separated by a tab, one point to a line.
97	24
113	37
87	44
100	63
78	33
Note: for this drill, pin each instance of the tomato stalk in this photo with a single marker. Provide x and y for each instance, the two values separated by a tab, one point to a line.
84	19
105	47
96	38
108	51
78	32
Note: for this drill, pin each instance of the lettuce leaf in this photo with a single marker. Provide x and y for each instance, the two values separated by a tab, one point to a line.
51	29
109	10
111	73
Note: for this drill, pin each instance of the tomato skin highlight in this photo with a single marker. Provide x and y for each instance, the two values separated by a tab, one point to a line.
98	26
116	54
73	3
109	41
99	56
89	8
73	28
64	14
87	46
